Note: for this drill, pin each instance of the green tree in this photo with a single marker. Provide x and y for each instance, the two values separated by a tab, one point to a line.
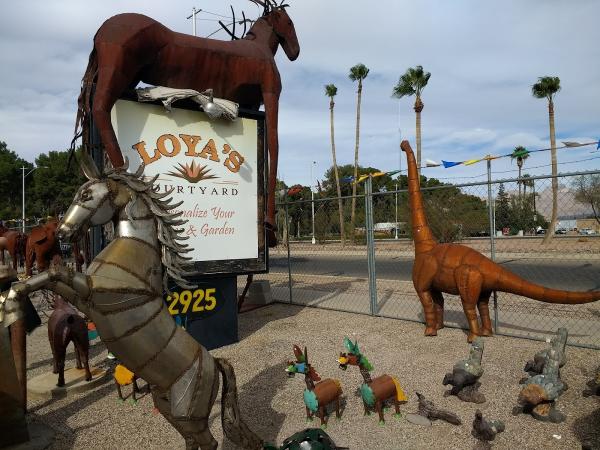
547	87
331	91
520	153
357	73
11	182
587	191
411	83
503	213
54	186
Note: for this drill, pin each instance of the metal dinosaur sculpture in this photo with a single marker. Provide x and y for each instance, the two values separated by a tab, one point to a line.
122	293
129	48
459	270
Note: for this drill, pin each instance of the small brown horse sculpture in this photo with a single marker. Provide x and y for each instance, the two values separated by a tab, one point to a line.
129	48
66	325
14	243
42	246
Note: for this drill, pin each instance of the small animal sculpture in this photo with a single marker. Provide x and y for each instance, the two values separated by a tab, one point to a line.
374	391
460	270
42	245
540	392
308	439
316	396
559	344
125	377
430	411
485	430
66	325
465	375
129	48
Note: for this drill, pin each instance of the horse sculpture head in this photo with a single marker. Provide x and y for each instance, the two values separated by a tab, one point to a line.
277	17
94	202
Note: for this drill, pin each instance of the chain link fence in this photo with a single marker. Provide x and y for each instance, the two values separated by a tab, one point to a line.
330	258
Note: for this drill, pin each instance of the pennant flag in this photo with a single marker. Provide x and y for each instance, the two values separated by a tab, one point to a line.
572	144
450	163
393	172
295	190
378	174
347	179
520	153
362	178
490	157
598	146
471	161
431	163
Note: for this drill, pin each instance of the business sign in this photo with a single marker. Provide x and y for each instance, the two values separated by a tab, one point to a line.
216	168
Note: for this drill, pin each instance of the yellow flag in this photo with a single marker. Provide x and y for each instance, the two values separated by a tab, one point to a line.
471	161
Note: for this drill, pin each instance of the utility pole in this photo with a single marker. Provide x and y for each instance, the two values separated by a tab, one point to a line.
312	202
193	17
396	224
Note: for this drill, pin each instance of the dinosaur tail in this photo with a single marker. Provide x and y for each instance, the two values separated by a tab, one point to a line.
233	425
514	284
422	234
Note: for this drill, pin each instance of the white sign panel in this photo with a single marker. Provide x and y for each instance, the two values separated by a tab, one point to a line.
211	165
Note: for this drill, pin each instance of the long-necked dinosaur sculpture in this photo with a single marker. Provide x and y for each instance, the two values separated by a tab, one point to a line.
460	270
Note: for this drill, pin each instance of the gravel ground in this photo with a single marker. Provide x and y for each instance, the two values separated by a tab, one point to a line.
273	407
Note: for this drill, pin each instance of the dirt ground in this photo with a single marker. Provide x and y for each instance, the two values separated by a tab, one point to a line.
272	404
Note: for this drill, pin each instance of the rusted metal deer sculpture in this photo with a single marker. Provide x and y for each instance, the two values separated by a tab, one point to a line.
318	393
14	243
129	48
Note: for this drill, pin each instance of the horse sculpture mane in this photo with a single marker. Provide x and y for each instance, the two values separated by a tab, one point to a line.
166	221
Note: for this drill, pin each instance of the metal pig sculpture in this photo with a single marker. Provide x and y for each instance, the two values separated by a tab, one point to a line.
66	325
122	293
129	48
460	270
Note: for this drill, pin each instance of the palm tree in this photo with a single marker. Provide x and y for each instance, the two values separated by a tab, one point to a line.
413	82
520	153
546	87
527	182
357	73
331	91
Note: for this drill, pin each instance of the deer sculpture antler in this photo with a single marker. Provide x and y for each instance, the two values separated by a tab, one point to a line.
244	22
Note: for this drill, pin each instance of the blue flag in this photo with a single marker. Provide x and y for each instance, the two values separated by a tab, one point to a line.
347	179
450	163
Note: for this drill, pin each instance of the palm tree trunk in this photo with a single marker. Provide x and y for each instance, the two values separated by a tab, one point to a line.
553	219
337	176
353	214
418	108
520	165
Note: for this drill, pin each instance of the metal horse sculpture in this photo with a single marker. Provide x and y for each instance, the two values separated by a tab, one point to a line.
121	292
129	48
13	242
64	326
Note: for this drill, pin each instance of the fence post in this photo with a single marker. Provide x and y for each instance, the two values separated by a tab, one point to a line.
373	309
492	218
289	260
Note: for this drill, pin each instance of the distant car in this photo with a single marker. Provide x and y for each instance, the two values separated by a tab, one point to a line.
586	231
540	231
561	231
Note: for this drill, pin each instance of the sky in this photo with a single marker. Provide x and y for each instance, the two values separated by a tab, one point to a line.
483	57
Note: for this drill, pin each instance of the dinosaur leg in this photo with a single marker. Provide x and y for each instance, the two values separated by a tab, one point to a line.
438	305
469	281
484	312
429	311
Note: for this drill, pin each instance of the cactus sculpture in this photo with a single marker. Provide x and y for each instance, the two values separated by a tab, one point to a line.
465	375
485	430
558	343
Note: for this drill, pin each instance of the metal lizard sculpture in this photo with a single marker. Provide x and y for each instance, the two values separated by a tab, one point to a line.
460	270
122	292
129	48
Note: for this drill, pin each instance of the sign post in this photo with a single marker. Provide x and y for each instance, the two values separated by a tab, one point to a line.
216	170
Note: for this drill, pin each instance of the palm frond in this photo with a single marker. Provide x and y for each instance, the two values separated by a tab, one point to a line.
330	90
358	72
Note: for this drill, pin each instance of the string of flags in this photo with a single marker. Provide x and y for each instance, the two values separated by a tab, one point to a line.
447	164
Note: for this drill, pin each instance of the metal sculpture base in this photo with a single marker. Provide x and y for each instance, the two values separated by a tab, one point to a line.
44	386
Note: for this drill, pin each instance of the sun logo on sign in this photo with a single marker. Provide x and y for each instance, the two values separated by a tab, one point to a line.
192	173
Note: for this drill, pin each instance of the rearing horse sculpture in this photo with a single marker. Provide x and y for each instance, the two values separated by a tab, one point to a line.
129	48
121	292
